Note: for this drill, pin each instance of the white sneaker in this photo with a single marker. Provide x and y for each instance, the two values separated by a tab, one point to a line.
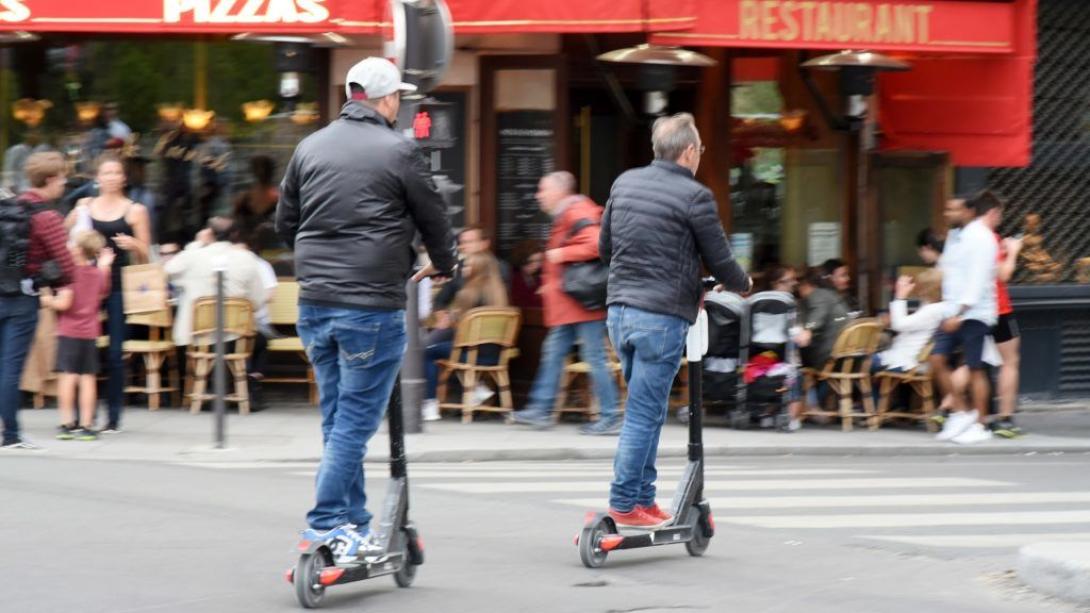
794	425
430	410
957	423
482	393
976	433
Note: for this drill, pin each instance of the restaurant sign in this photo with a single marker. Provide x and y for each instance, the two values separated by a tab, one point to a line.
891	25
190	16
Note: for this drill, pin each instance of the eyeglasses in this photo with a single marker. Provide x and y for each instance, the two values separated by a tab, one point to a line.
701	149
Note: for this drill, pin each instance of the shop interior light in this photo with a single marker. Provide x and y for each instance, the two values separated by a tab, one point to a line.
18	36
88	111
171	112
792	121
657	54
197	120
257	111
30	111
305	113
320	39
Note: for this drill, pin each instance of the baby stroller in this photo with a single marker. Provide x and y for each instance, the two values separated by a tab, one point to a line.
770	362
726	329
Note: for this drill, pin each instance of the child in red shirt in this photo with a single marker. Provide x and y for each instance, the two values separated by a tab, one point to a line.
78	328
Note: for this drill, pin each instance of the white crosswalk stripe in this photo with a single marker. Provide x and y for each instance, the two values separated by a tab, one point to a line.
856	500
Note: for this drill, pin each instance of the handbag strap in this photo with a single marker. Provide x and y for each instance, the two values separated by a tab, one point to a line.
577	227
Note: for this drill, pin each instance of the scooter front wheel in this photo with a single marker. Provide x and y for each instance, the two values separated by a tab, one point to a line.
590	549
407	573
307	579
698	544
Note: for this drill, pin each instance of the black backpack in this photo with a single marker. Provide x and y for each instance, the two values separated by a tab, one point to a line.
14	243
586	281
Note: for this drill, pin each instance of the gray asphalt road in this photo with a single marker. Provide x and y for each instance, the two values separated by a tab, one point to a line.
794	534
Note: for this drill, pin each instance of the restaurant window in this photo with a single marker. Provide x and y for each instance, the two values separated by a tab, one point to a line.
785	193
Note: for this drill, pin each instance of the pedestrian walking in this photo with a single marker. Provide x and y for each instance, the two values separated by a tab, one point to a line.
353	196
968	268
573	238
78	328
33	254
1007	334
126	226
659	225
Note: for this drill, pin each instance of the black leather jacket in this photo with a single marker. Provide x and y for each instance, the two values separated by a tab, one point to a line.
352	199
658	225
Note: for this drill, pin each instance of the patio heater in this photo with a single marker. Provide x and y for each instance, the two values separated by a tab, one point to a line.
857	71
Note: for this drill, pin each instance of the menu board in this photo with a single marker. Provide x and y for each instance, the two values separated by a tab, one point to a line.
524	155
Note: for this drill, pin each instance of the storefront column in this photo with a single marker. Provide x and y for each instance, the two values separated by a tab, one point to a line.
713	119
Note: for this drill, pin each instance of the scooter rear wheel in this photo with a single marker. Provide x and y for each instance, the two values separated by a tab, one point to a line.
699	543
307	579
407	573
590	551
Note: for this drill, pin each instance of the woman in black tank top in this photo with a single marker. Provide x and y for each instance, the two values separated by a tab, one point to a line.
127	230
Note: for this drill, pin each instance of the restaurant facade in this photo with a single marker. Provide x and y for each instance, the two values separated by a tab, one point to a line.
524	95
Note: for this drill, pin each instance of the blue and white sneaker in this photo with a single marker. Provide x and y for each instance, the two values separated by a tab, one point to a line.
346	543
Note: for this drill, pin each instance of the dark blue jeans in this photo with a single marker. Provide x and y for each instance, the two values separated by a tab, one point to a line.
650	346
356	354
18	320
118	330
592	349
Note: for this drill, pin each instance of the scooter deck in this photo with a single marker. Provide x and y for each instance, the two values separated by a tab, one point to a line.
356	571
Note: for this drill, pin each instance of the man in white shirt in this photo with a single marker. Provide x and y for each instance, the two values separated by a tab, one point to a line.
193	273
968	267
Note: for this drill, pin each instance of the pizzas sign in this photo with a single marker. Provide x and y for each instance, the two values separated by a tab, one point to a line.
243	11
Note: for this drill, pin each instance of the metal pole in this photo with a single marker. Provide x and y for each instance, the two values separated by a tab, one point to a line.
220	370
412	365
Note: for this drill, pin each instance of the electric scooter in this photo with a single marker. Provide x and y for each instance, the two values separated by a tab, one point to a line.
402	550
693	524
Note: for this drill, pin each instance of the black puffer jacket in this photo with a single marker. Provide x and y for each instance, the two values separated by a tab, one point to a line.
353	196
658	225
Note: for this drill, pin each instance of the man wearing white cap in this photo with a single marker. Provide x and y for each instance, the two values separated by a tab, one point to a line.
354	195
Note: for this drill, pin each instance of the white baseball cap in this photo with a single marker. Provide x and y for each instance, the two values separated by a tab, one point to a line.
378	77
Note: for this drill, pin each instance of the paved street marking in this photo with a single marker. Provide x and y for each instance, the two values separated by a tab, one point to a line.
714	485
892	500
979	540
607	473
904	520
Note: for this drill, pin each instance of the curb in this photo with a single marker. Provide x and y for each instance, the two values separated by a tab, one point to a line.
1060	569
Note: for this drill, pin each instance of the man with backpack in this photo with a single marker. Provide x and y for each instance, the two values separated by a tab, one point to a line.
33	254
572	240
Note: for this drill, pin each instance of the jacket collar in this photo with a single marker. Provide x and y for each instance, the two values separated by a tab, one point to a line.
356	111
673	167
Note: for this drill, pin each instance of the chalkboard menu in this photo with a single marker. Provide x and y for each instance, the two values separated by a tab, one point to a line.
524	155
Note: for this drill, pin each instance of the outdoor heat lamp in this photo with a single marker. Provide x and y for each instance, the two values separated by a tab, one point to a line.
657	54
18	36
322	39
857	71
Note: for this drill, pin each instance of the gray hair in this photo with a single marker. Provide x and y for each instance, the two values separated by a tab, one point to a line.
563	180
671	136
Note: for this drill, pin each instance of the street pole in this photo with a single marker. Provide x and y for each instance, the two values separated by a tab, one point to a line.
412	365
220	370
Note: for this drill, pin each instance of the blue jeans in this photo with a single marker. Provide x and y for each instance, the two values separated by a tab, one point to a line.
356	354
432	354
650	346
18	320
115	362
592	349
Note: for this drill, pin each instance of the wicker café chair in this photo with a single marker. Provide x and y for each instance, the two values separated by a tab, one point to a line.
847	369
578	373
157	351
919	379
284	311
238	327
480	327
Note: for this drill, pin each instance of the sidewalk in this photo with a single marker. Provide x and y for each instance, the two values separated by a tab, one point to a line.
291	433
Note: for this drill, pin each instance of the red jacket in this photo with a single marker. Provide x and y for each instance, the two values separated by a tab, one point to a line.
560	308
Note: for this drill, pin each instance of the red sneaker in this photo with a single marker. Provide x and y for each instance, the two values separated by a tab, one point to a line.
656	512
636	518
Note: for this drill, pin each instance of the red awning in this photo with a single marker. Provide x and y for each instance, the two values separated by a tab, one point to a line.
979	109
973	26
342	16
